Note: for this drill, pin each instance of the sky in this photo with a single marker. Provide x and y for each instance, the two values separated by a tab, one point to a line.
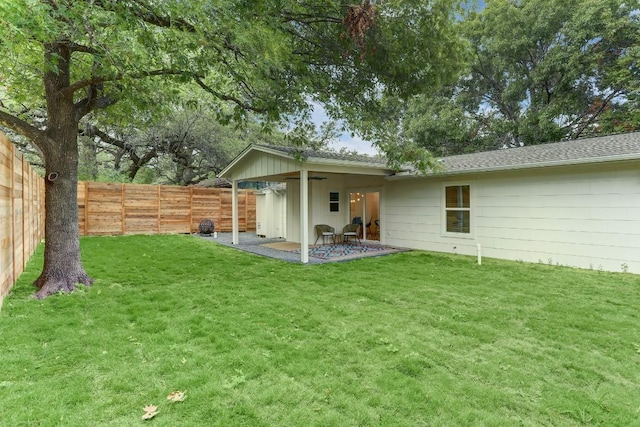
354	144
351	143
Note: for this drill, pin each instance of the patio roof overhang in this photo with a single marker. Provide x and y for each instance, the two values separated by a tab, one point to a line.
261	163
279	164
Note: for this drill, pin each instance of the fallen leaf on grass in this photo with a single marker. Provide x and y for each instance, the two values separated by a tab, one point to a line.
176	396
150	412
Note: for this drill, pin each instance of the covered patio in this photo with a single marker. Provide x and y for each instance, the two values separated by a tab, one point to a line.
283	250
322	188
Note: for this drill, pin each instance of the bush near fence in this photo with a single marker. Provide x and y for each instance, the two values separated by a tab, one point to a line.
21	213
118	209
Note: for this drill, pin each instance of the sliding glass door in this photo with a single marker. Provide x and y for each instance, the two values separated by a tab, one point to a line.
364	209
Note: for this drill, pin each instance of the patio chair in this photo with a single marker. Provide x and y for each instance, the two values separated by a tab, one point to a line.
369	225
325	231
358	220
351	230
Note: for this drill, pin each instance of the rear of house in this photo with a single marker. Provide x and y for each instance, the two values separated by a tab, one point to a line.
586	216
573	203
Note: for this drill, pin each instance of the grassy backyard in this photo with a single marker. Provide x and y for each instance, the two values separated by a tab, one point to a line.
409	339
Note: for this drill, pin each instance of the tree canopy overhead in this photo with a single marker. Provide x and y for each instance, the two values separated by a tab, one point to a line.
539	71
266	57
64	61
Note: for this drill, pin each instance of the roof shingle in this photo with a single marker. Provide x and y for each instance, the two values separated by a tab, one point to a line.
329	155
588	150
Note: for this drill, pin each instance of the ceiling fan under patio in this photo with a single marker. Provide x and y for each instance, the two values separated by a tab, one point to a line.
311	178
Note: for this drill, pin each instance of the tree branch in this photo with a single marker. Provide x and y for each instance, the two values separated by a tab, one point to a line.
237	101
309	18
141	10
136	161
92	130
35	135
90	103
75	47
583	125
103	79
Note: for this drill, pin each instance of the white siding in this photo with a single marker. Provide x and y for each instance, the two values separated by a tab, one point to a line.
586	217
319	201
256	165
293	211
271	213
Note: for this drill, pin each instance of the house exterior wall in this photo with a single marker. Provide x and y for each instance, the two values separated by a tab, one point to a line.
271	213
584	216
319	212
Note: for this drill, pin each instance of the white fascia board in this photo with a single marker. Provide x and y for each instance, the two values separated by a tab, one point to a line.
235	161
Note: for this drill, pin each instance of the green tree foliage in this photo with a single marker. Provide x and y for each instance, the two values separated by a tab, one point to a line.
186	147
65	60
539	71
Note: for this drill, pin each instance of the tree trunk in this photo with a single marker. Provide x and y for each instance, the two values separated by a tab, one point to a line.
63	268
89	158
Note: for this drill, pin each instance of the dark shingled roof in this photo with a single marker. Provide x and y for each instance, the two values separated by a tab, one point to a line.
588	150
328	155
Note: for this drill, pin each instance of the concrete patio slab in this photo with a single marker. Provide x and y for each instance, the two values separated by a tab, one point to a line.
290	251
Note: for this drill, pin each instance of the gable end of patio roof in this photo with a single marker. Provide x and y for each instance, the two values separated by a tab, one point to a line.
271	163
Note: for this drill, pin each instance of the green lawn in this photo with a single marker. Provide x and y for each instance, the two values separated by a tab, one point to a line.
411	339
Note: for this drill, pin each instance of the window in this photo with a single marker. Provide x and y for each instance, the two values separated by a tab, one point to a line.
334	201
458	209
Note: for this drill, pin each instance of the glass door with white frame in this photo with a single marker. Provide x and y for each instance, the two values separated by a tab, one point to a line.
364	209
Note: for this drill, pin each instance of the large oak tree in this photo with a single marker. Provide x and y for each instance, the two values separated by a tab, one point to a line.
63	60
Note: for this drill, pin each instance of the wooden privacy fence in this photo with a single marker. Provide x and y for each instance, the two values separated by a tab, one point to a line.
21	213
115	209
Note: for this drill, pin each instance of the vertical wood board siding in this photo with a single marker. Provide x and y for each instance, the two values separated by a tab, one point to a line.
263	165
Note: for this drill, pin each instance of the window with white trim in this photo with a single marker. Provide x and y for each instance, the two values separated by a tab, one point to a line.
458	209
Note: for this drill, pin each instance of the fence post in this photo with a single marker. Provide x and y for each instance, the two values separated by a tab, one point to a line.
159	207
123	214
86	208
12	185
25	250
190	209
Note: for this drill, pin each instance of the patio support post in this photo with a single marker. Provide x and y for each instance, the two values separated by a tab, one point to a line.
235	239
304	216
